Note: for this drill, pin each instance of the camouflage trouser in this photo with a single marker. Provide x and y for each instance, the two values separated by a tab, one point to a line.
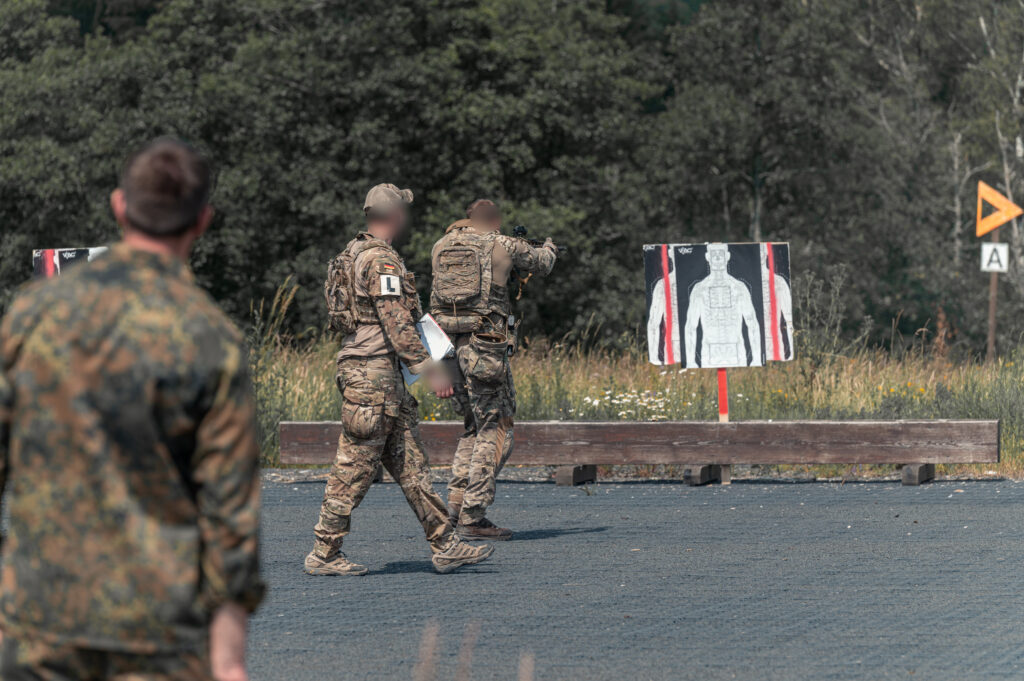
379	420
485	397
30	660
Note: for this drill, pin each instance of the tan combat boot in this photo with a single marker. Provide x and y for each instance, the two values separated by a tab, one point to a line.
339	564
459	554
483	530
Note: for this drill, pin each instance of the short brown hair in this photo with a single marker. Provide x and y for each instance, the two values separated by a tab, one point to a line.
483	208
166	185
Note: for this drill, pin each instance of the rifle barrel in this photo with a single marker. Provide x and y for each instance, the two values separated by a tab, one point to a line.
537	243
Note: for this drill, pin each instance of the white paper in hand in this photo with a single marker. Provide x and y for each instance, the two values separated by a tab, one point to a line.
435	340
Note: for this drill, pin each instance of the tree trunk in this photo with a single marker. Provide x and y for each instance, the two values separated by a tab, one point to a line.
725	210
958	220
756	200
96	16
1016	274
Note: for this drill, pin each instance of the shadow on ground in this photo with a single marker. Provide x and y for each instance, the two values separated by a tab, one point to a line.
410	567
553	533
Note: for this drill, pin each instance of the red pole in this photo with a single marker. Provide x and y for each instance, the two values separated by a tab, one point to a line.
723	396
49	266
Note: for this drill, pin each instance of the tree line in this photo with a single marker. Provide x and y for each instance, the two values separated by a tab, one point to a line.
854	129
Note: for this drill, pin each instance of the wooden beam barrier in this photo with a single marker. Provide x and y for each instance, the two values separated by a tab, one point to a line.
696	443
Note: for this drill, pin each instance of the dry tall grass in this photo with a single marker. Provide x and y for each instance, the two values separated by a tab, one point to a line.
829	380
555	383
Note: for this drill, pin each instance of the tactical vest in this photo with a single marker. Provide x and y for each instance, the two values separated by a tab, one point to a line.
347	311
463	293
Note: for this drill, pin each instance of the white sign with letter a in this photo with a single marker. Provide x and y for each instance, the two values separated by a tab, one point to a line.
995	257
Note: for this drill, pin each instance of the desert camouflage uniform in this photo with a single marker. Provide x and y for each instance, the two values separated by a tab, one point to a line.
485	393
379	416
130	466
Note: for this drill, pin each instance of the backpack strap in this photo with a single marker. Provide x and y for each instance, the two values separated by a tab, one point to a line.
363	309
458	224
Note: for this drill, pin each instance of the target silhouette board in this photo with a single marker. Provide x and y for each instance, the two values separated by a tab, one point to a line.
718	305
49	262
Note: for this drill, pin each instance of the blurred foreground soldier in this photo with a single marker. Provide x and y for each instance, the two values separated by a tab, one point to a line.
128	454
372	302
470	300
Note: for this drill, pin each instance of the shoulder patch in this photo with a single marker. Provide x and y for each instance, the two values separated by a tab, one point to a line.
390	285
384	271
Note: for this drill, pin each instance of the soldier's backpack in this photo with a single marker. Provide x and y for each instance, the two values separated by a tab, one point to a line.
345	311
462	275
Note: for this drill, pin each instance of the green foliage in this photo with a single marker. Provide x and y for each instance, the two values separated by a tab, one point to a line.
854	129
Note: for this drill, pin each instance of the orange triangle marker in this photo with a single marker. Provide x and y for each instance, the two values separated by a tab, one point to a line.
1006	209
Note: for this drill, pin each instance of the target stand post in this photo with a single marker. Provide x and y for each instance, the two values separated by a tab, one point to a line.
707	473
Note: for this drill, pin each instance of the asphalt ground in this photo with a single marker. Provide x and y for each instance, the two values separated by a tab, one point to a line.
663	581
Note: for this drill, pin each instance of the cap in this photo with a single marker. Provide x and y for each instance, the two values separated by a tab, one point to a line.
384	195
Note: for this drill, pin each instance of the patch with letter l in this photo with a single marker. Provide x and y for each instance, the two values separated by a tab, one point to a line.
390	285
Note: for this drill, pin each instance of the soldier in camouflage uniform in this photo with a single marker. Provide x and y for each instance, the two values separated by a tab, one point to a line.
470	300
128	455
372	302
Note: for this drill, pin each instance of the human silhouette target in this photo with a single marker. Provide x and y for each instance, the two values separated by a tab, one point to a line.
718	305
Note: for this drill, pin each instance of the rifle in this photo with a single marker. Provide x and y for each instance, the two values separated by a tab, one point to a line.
519	232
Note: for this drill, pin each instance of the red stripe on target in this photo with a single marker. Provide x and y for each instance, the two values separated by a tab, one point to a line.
773	306
49	264
669	358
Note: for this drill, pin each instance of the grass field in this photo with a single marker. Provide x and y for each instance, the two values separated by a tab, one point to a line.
295	381
554	383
